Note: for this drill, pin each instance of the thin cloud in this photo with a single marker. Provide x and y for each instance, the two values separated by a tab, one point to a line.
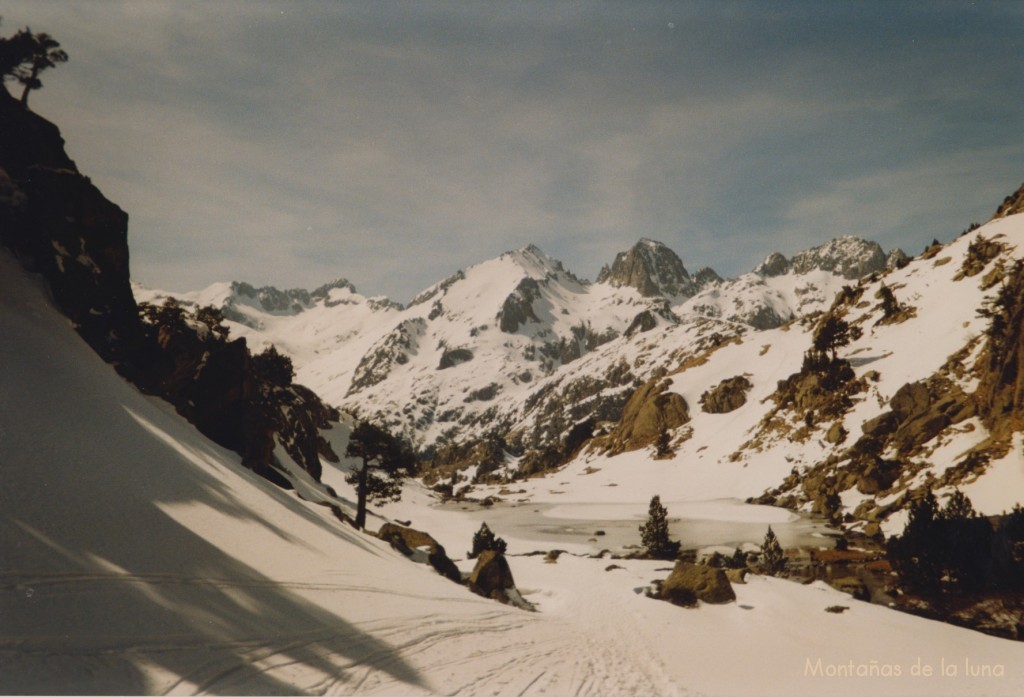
393	143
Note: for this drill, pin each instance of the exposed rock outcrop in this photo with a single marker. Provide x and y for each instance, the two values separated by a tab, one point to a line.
848	256
691	582
393	349
453	357
775	264
59	225
728	395
517	309
1011	205
407	541
919	412
651	412
1000	394
706	276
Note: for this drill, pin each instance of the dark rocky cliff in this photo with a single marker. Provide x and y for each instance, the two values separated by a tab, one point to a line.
59	225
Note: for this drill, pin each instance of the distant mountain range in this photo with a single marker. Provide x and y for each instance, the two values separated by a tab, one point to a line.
516	366
477	356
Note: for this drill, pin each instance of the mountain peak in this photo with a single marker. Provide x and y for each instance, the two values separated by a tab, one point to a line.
339	283
537	264
847	256
775	264
274	300
652	268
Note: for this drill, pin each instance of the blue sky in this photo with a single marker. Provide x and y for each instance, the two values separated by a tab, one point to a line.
392	143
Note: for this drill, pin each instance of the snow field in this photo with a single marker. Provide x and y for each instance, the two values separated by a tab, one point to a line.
138	557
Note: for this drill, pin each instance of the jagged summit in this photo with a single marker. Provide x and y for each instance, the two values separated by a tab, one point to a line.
775	264
848	256
274	300
652	268
338	283
534	261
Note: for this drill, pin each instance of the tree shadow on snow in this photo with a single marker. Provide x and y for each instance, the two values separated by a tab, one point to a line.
100	588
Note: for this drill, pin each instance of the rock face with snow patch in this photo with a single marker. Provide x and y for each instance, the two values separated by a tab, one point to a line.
517	309
406	540
1011	205
393	350
492	578
850	257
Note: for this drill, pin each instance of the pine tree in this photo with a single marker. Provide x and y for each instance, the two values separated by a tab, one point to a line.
663	446
25	55
833	505
273	367
213	318
773	559
738	559
654	533
916	554
967	536
890	306
483	540
831	334
385	461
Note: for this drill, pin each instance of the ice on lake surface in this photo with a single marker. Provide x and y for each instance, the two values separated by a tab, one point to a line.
697	524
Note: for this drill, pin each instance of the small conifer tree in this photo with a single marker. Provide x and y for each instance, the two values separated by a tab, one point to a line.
890	306
654	533
738	559
483	540
773	559
916	554
833	507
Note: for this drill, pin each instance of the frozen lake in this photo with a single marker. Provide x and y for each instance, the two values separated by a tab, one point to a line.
697	524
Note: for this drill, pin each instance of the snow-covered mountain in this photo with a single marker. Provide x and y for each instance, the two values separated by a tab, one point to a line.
516	366
489	363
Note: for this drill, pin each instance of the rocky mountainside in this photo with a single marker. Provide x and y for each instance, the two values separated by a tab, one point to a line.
510	365
654	270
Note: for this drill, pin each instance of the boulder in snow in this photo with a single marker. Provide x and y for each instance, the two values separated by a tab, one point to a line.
691	582
408	541
492	578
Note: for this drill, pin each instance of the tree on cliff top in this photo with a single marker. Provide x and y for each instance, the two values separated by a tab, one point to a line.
25	55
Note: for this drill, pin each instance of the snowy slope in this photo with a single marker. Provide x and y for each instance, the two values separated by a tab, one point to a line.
140	558
730	455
